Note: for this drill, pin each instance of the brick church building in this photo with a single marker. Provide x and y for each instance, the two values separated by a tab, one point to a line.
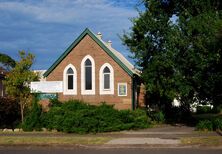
92	71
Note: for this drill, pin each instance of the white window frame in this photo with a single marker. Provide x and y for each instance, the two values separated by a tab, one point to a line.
103	91
124	84
67	91
83	90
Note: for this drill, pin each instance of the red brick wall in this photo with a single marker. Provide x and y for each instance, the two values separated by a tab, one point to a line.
87	46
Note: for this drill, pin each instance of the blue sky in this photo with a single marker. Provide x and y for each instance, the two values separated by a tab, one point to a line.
47	27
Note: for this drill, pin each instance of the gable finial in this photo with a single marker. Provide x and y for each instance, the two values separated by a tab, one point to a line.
109	43
99	35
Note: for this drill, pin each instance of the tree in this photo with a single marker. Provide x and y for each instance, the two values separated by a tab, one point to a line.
176	45
7	61
198	51
18	79
148	42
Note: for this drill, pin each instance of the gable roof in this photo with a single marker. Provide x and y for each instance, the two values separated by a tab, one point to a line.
115	55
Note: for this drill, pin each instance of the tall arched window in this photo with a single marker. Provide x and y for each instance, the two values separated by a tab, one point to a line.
70	80
88	76
106	78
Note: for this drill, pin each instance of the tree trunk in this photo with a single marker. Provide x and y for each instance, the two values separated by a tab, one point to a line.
21	110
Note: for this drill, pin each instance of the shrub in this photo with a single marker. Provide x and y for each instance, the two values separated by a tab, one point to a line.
78	117
110	119
32	119
205	125
126	116
141	120
156	116
9	112
53	118
74	105
55	102
217	123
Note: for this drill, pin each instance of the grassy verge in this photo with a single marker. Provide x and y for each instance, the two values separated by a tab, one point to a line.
203	141
15	140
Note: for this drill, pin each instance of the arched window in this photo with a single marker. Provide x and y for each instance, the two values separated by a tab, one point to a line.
106	74
70	80
88	76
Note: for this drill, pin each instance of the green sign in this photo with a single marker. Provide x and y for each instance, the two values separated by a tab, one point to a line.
43	96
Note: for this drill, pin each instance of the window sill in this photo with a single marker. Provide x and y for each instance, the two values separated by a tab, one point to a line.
88	92
122	95
69	93
106	92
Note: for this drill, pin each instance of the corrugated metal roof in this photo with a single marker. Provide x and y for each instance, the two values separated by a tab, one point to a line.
121	58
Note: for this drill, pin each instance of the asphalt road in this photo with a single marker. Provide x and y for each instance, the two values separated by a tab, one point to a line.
61	150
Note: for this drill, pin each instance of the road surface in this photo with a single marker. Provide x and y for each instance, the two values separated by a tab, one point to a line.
80	150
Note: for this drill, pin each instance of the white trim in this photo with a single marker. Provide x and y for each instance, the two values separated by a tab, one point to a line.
66	91
103	91
124	84
83	90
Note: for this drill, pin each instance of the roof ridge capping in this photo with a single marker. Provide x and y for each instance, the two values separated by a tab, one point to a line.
115	55
118	54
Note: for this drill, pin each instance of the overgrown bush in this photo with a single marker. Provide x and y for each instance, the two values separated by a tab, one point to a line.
141	120
217	123
78	117
210	125
205	125
55	102
156	116
32	120
9	112
53	118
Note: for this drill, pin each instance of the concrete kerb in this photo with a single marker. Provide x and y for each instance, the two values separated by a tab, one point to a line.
156	133
96	146
107	146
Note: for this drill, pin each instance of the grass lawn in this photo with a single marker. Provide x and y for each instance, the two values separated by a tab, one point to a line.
203	141
30	140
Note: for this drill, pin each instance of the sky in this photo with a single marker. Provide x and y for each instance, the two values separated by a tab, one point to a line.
47	27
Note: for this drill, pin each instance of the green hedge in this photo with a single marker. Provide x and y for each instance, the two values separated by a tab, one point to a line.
210	124
157	116
33	118
78	117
